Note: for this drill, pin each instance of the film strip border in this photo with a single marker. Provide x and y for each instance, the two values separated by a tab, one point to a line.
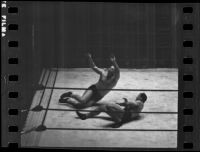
188	44
10	74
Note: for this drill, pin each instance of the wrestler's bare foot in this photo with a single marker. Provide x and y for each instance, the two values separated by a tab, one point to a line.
63	100
65	95
81	116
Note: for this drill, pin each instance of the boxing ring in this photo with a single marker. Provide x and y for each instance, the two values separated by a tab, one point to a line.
51	124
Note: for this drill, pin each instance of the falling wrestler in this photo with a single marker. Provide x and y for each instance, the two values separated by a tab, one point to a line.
108	78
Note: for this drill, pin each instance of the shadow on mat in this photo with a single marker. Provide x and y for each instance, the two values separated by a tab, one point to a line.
114	124
100	117
117	125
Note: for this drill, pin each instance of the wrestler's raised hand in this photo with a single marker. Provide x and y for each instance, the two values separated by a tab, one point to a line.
112	58
125	100
89	55
126	105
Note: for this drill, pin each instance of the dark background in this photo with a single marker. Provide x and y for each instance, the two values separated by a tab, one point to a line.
140	35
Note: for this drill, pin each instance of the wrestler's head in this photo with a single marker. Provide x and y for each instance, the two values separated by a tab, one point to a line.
111	71
142	97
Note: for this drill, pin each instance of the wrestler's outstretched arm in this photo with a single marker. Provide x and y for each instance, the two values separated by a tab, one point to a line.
92	65
114	63
127	103
123	103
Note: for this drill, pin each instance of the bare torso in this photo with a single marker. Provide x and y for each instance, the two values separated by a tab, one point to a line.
135	108
104	85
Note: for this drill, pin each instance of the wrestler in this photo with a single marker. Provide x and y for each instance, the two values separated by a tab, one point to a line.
116	111
108	78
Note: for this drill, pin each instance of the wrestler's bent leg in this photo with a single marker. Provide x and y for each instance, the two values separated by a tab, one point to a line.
85	98
91	114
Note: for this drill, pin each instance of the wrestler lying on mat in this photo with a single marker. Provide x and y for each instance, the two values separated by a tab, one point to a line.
118	114
108	78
